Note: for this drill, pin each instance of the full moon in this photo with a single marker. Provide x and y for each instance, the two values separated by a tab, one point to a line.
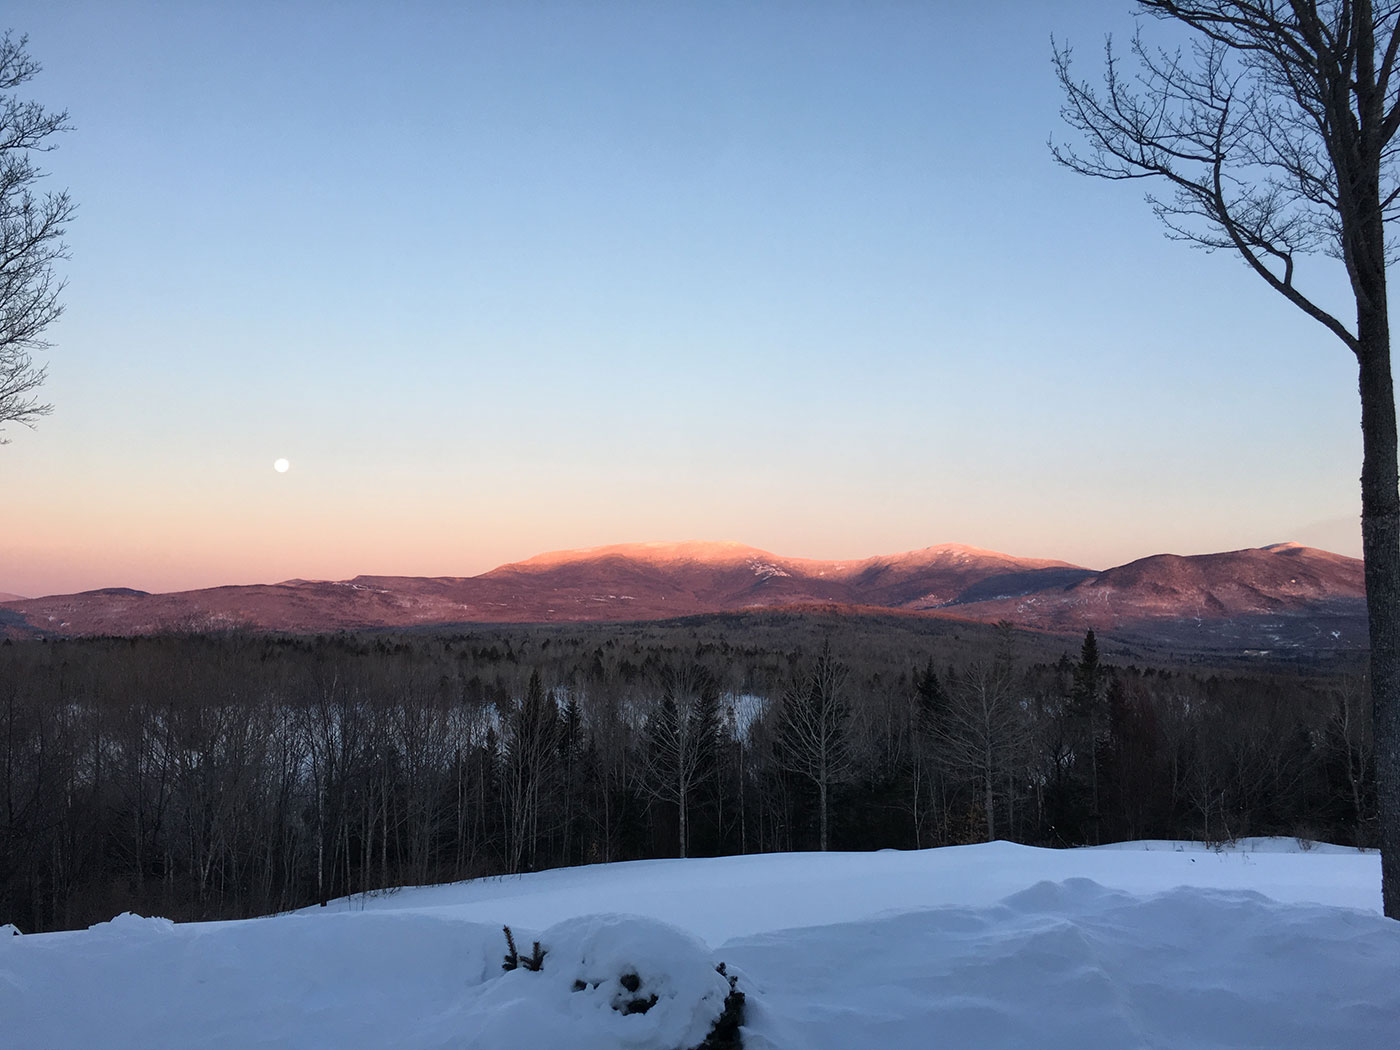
281	466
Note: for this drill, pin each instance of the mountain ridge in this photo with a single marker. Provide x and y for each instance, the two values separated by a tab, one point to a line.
1286	582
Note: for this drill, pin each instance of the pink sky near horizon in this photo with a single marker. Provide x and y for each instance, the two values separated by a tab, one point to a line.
801	276
127	551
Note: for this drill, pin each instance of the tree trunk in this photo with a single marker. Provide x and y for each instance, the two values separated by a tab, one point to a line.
320	848
743	811
1380	538
681	828
989	804
1094	767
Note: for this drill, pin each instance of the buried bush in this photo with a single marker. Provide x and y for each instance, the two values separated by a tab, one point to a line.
615	977
724	1035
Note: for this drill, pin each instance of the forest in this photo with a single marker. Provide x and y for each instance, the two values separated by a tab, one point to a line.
238	774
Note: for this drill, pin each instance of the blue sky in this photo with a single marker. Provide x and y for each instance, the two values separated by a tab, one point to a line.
506	277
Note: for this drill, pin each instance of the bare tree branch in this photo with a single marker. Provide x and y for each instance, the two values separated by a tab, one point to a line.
31	238
1278	140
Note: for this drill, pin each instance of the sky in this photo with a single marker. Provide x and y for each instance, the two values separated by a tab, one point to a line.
505	277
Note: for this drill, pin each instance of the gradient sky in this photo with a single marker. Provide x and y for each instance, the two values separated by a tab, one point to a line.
499	278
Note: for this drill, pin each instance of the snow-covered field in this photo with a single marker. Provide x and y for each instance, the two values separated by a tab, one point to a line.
1263	945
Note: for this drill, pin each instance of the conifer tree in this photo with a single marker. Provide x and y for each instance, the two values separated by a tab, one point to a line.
1087	678
933	701
1087	703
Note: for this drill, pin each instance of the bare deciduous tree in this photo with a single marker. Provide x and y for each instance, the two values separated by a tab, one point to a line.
1349	734
31	237
984	729
1276	133
680	742
812	731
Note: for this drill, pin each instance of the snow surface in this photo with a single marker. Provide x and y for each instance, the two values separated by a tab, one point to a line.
1270	944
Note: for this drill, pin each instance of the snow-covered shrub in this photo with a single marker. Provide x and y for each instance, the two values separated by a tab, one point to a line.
724	1033
611	982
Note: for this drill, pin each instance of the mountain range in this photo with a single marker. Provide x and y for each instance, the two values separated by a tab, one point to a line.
1284	596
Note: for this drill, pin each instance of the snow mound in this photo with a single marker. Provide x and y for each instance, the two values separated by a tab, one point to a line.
1071	893
1072	965
129	923
993	946
607	981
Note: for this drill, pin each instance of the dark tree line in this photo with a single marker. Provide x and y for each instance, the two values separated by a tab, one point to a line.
209	777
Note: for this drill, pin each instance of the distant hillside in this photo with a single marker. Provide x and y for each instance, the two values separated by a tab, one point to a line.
1283	595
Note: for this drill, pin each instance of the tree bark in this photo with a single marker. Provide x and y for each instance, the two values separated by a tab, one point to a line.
1364	251
989	804
682	826
1380	538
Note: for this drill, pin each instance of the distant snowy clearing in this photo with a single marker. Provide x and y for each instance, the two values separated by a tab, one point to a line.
1266	944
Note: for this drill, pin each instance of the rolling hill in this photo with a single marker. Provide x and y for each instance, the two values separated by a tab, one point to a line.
1284	595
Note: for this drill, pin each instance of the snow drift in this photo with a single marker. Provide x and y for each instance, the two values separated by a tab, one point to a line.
998	946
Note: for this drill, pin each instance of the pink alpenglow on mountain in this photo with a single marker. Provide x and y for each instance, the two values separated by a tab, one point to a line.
1287	583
